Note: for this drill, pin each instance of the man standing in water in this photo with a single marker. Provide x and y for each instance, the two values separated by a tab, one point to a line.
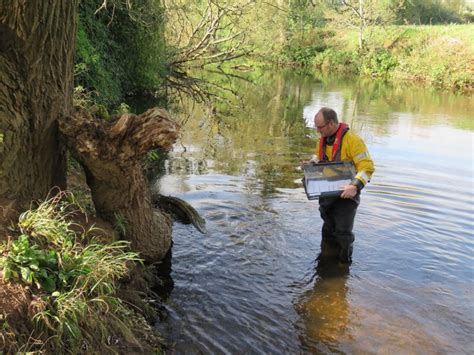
338	143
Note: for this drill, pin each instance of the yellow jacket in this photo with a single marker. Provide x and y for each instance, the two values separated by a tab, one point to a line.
354	149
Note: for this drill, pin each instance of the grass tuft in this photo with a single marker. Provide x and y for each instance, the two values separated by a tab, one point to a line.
73	278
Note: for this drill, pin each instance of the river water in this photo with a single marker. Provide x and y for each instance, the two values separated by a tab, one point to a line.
254	283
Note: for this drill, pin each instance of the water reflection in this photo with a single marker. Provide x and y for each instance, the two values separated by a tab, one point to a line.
383	103
324	308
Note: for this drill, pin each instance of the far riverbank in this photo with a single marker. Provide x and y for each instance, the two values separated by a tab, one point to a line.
440	56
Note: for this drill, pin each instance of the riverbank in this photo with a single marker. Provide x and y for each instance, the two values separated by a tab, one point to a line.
438	56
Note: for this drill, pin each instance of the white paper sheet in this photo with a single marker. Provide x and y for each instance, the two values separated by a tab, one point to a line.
316	187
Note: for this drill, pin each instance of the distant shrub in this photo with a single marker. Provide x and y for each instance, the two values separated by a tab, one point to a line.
463	82
378	63
333	60
301	50
300	55
438	74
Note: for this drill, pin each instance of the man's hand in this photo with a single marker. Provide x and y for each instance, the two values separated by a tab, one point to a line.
313	160
303	163
349	191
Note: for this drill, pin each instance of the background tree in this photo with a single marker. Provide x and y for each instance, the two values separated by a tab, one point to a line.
268	23
421	12
200	34
362	14
304	31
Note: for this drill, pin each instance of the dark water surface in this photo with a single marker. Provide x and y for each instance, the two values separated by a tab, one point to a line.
254	284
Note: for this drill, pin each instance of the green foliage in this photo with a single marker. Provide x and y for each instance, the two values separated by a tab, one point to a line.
30	264
438	74
333	60
96	70
121	51
304	38
420	12
74	280
462	81
379	63
301	51
438	55
468	15
153	155
50	223
154	164
303	17
121	109
81	197
86	285
299	55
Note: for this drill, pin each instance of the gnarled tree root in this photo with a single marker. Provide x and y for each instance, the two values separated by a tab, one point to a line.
111	153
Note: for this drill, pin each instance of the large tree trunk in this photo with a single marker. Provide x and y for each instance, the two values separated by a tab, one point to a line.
37	40
112	154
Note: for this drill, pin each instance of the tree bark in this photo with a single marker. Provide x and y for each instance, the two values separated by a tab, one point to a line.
36	84
112	154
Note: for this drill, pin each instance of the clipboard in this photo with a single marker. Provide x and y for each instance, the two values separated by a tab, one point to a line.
325	179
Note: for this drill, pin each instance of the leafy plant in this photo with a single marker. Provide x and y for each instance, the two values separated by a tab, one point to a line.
87	287
379	63
300	55
122	108
81	197
73	281
28	263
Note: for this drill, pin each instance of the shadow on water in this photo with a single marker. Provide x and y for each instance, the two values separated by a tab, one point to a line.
165	283
324	308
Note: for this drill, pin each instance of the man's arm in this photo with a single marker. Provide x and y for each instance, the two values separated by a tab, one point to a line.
362	161
358	152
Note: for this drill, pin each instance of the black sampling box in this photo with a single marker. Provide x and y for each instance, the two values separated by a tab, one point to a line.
326	179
